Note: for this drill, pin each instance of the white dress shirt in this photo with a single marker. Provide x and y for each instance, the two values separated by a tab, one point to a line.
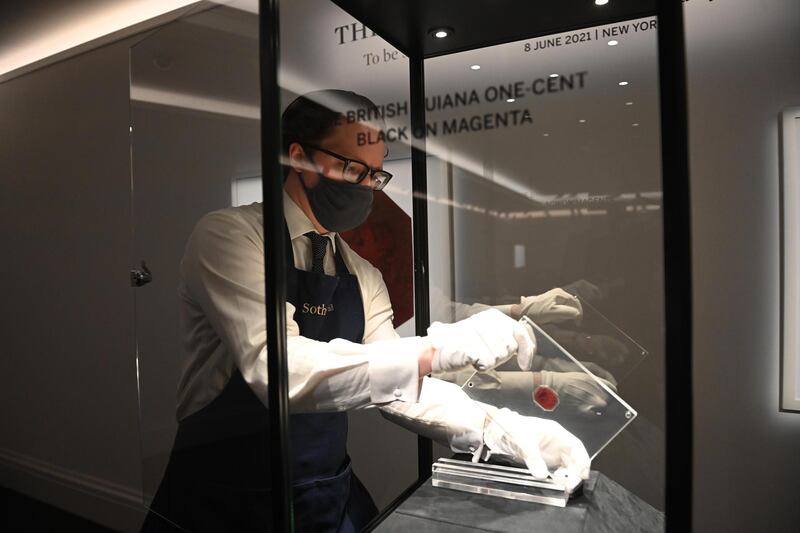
223	318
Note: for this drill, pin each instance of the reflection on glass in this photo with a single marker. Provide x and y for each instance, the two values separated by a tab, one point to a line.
570	320
602	347
557	387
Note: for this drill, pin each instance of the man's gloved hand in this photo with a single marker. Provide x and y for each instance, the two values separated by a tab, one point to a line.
577	386
483	341
602	348
584	289
556	305
556	364
544	446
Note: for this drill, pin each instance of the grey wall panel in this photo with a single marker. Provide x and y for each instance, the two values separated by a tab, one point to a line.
68	370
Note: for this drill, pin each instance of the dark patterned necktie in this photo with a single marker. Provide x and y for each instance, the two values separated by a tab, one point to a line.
319	245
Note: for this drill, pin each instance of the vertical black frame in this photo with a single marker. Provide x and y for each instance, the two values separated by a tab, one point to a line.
419	186
279	459
677	265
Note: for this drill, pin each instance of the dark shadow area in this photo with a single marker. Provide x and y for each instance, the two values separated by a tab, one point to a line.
21	513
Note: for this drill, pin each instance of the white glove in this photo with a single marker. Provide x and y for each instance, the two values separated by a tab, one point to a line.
444	413
484	341
556	305
544	446
578	386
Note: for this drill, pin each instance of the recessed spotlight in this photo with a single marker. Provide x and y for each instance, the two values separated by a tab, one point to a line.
623	83
583	120
628	103
613	42
546	134
440	33
511	100
553	75
600	2
475	67
635	124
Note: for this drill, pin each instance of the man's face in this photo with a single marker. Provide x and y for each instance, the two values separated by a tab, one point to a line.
344	140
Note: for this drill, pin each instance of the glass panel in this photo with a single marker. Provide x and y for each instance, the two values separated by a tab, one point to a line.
322	48
552	182
195	148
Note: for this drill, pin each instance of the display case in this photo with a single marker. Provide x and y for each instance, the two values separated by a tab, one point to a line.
538	161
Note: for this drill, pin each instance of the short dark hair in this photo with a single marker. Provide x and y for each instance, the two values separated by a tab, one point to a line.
312	116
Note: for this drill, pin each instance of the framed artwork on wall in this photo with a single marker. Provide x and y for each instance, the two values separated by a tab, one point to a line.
790	260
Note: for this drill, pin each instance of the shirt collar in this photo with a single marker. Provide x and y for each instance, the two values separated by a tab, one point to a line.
298	223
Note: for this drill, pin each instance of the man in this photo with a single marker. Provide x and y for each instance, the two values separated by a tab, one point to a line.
343	351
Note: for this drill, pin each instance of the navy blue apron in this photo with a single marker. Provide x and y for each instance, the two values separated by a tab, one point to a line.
217	478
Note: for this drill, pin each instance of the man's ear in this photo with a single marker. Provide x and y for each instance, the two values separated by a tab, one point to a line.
297	158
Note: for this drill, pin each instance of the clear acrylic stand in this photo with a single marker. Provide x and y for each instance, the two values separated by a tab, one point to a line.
508	482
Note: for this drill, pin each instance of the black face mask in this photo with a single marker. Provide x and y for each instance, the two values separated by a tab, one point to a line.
339	205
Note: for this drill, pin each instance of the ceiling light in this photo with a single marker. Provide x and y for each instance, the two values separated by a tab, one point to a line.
623	83
547	135
635	124
553	75
440	33
600	2
510	100
613	42
628	103
475	67
582	120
